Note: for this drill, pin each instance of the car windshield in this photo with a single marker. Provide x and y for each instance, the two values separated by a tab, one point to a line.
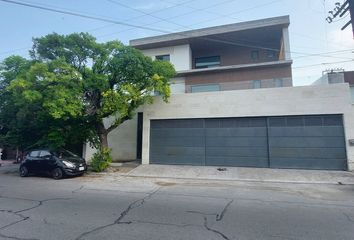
65	154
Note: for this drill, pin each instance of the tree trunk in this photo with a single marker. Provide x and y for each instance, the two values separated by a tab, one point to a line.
103	140
103	136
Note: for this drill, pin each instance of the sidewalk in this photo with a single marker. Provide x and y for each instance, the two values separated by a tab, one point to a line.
243	174
6	162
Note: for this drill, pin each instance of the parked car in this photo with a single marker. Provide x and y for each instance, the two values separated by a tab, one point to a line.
58	163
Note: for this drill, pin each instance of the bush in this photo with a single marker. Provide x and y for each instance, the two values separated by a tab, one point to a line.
101	160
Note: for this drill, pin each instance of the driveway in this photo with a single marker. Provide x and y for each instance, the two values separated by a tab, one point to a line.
114	206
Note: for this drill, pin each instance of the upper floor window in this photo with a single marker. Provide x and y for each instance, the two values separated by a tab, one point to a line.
255	55
205	88
163	57
256	84
271	54
207	62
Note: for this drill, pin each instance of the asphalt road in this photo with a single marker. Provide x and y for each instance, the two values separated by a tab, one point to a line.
117	207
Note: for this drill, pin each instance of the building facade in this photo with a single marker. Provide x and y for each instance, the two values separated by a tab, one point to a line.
247	55
233	104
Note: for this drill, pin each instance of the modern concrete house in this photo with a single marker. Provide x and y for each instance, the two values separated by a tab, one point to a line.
233	104
253	54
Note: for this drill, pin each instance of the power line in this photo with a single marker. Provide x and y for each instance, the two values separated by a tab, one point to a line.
142	27
172	17
320	64
83	15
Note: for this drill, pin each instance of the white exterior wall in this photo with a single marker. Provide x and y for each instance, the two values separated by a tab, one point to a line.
326	99
180	56
122	141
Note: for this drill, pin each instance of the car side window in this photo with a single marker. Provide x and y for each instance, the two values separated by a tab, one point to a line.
44	154
34	154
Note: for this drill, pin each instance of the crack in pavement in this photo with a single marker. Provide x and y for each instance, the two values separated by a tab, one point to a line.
23	218
166	224
40	203
16	238
133	205
78	189
350	219
214	230
220	216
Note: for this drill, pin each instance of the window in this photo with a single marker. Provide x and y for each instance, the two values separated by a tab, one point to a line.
205	88
165	58
278	82
34	154
44	154
255	55
207	62
257	84
271	54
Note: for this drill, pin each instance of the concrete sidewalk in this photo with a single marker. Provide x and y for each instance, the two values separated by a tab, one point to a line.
243	174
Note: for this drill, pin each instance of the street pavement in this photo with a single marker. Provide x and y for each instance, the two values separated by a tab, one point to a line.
116	206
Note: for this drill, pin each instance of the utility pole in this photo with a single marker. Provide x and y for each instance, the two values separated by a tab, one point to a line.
340	10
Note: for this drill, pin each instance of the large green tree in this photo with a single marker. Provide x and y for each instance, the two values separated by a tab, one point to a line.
77	88
40	103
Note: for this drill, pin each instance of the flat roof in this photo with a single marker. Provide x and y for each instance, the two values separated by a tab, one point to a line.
183	37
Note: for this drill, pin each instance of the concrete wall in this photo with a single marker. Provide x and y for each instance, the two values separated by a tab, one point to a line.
122	141
180	56
326	99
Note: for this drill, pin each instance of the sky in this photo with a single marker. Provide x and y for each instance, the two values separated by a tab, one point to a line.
315	44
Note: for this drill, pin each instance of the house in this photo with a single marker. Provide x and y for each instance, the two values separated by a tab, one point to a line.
253	54
233	104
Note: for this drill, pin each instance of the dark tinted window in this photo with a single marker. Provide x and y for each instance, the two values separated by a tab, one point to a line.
64	154
163	57
255	55
207	62
44	153
34	154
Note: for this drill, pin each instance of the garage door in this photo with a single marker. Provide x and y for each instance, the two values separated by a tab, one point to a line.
304	142
179	141
307	142
240	142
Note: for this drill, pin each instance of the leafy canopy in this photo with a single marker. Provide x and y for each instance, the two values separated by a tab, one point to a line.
71	85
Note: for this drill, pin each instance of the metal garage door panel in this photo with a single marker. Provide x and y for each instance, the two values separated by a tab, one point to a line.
307	142
308	163
236	142
177	142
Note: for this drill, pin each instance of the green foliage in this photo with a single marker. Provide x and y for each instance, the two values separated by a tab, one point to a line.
71	85
101	160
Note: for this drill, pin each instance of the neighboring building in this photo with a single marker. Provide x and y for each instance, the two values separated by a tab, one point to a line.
274	125
337	76
247	55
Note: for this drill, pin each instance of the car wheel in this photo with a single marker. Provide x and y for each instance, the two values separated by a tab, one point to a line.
57	173
23	171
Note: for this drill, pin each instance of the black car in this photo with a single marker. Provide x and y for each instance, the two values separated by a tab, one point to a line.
58	163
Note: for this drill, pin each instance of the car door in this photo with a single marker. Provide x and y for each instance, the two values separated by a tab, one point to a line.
31	161
45	162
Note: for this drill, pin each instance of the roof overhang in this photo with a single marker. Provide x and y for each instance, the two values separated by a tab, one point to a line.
184	37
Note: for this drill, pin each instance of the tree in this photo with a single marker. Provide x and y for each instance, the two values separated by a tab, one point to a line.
41	103
116	79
